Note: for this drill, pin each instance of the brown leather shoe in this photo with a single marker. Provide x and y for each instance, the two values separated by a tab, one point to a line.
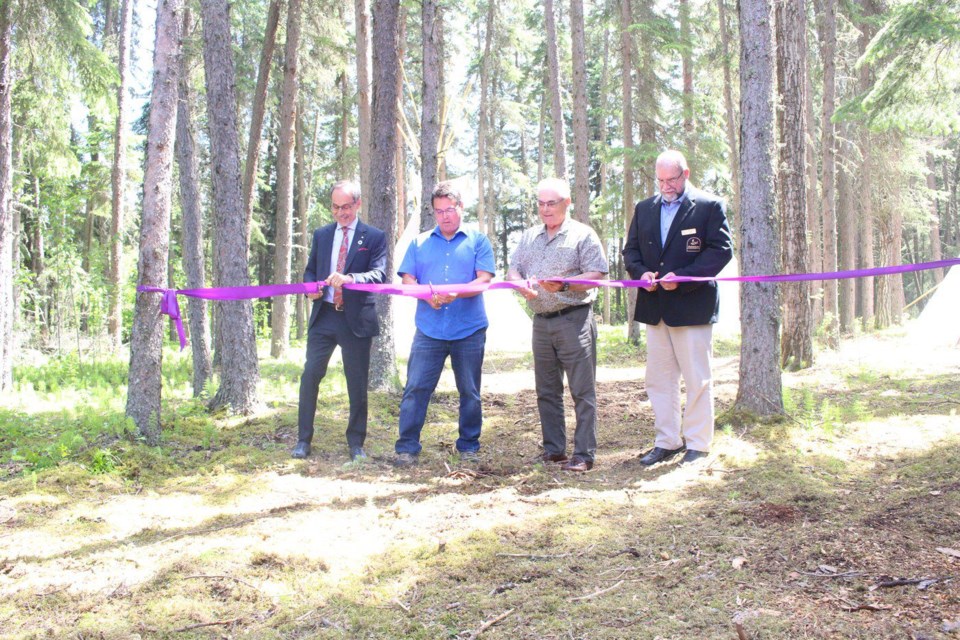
554	457
578	465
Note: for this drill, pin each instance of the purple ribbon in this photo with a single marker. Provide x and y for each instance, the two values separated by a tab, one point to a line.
170	307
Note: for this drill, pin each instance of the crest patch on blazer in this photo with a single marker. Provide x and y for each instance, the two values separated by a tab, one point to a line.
693	245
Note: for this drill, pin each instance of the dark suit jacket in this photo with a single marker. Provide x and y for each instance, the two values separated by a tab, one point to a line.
698	244
366	262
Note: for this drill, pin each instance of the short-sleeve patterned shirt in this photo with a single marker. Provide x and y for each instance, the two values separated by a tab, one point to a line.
575	249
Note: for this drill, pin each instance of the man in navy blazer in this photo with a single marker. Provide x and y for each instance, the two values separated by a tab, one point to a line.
682	231
340	316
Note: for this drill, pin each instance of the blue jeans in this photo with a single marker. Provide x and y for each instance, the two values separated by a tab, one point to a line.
427	357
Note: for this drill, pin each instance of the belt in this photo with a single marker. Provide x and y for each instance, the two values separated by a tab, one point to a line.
561	312
332	307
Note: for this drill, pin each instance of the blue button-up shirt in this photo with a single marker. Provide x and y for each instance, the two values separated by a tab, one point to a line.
668	211
432	259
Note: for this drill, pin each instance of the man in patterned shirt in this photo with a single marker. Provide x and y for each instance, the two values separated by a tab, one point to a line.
564	329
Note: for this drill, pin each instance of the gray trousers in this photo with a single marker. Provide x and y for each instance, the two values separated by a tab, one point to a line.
567	344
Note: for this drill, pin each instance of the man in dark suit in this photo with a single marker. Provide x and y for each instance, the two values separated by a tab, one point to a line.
345	251
682	231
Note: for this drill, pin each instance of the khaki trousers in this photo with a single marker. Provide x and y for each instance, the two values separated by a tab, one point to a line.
673	352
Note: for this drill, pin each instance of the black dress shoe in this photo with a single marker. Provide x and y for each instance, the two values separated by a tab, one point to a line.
302	450
578	465
357	453
692	456
554	457
658	454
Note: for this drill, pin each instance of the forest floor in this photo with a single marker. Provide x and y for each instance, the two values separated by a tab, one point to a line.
841	521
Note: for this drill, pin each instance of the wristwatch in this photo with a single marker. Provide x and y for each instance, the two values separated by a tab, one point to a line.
565	286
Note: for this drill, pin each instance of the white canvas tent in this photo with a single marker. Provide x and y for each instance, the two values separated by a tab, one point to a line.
939	322
509	329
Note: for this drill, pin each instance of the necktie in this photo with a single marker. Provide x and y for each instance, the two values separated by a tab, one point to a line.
341	265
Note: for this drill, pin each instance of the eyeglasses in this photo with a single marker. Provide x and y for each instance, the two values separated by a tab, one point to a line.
549	204
672	180
337	208
449	211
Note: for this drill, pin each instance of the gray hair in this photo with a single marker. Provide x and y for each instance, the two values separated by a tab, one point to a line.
558	185
446	189
349	187
672	158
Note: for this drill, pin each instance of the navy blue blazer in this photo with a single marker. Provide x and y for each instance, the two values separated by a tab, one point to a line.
698	244
366	262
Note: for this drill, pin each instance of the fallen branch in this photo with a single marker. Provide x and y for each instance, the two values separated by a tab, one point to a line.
534	556
489	623
218	623
200	577
597	593
848	574
741	634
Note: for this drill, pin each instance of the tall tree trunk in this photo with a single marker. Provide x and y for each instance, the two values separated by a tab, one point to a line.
301	221
686	62
553	84
581	134
866	242
541	135
936	248
626	81
383	173
283	240
814	232
431	23
607	226
730	115
484	117
828	48
760	390
791	31
362	22
240	371
7	265
258	110
847	238
191	234
146	338
118	177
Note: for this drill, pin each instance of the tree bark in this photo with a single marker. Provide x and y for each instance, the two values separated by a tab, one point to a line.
626	77
847	238
581	133
730	116
828	47
686	63
814	232
117	179
283	238
603	138
553	83
383	173
866	286
301	221
431	25
484	117
936	247
191	236
258	110
146	339
791	30
239	366
7	265
760	390
362	21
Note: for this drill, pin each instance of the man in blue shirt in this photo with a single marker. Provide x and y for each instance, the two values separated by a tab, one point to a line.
452	325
